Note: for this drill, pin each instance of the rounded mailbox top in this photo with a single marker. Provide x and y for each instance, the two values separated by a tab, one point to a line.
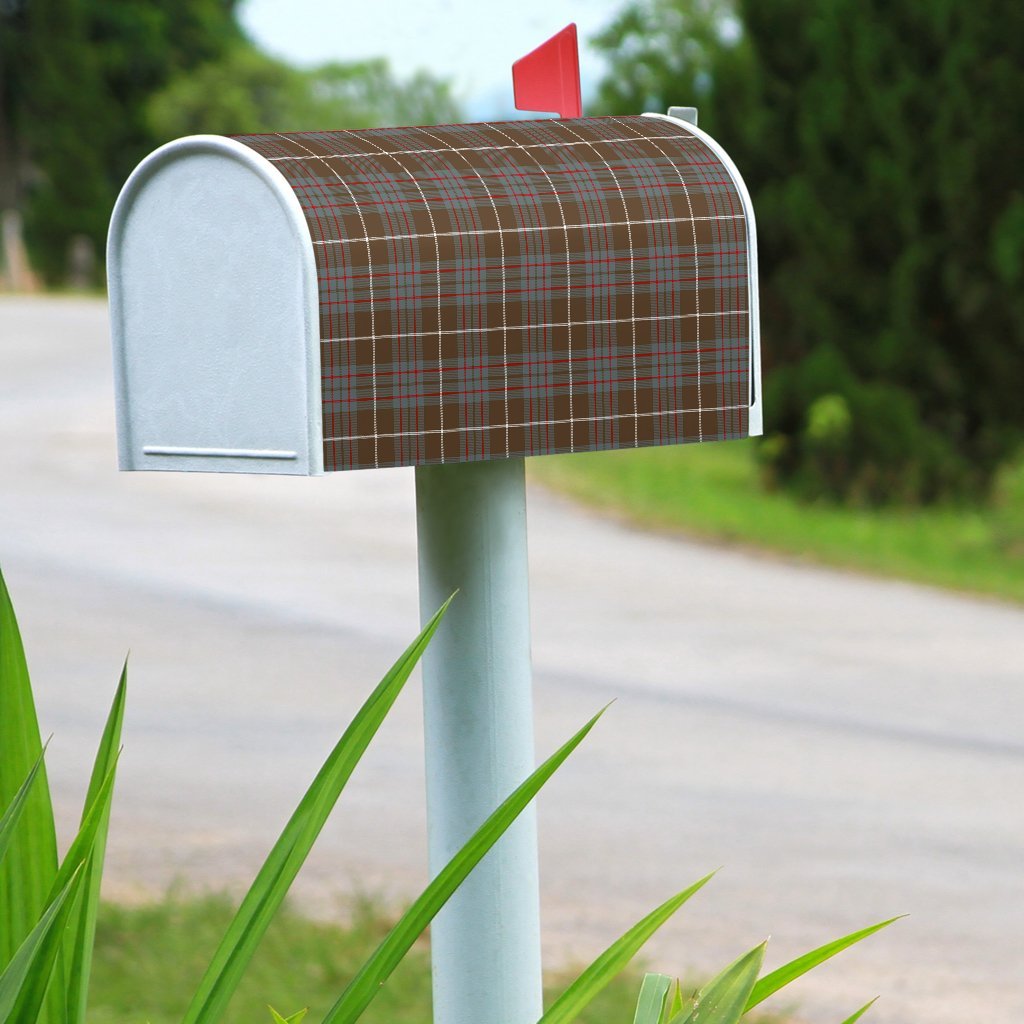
448	293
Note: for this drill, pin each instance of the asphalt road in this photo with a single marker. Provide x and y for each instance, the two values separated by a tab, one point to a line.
846	748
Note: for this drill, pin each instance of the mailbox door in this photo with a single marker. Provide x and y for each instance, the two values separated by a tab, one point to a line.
213	287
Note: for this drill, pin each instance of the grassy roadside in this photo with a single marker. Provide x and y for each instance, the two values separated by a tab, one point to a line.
712	491
149	959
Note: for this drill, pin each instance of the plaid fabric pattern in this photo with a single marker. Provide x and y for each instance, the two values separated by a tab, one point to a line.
524	288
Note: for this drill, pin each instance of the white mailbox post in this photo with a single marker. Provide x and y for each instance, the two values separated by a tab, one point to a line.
454	298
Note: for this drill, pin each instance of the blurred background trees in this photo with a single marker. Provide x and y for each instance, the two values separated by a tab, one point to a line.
881	142
247	91
76	79
89	87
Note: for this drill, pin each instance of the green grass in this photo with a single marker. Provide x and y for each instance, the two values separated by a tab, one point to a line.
713	491
150	958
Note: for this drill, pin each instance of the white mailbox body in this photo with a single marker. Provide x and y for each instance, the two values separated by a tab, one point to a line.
341	300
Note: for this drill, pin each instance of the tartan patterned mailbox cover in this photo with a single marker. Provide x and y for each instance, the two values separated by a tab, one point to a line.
394	297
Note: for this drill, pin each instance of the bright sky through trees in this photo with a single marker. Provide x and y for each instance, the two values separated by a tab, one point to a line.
472	41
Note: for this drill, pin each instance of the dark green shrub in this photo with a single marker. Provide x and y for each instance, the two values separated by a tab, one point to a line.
1008	508
877	140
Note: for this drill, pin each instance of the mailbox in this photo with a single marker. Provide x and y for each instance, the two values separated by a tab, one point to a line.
453	298
299	303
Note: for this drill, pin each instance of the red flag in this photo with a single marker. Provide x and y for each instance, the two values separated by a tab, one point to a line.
548	78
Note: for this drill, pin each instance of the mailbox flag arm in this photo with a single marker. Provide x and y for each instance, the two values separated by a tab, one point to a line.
548	78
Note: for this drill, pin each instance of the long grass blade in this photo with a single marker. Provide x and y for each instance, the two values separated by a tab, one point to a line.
81	935
675	1006
572	1001
73	866
723	1000
23	982
854	1017
30	866
651	1003
84	843
13	813
782	976
282	864
372	975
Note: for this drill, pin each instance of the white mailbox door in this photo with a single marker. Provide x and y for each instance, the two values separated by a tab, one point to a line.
215	316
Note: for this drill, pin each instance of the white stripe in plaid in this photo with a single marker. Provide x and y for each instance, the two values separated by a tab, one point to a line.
523	288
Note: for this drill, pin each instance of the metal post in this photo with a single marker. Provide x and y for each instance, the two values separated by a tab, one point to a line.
478	712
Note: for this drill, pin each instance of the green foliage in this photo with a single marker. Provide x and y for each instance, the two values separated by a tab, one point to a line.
379	967
248	92
146	956
243	93
76	78
275	878
150	957
1008	510
12	815
650	1006
48	918
734	992
53	90
35	959
82	932
723	1000
839	418
876	141
663	52
89	87
854	1017
48	910
45	978
611	962
727	997
782	976
295	1018
29	866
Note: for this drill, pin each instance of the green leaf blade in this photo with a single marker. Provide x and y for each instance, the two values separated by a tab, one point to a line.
723	1000
83	845
676	1003
651	1003
29	868
23	983
854	1017
274	879
595	977
372	975
12	815
782	976
73	867
295	1018
82	931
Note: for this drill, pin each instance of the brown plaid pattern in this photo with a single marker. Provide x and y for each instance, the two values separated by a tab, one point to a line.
496	290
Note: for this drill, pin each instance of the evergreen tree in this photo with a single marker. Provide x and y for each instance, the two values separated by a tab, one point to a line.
881	142
89	87
76	77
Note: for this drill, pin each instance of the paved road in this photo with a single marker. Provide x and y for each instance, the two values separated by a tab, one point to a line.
846	748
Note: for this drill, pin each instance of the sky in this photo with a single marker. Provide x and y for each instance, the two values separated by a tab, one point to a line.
471	42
